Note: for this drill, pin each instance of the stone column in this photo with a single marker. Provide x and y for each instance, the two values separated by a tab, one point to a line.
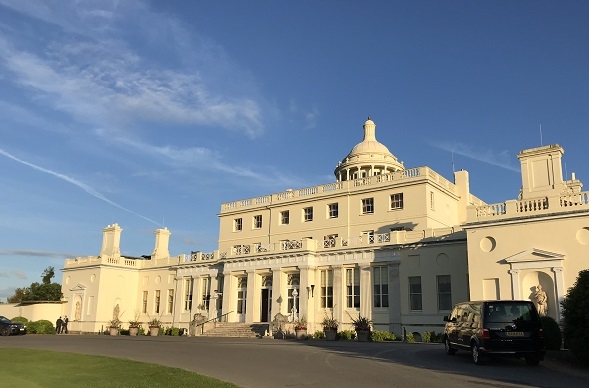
229	296
278	292
338	293
197	295
213	312
253	297
560	290
396	326
365	291
515	287
305	300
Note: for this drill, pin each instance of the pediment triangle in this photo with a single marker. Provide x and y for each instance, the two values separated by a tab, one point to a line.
534	254
78	287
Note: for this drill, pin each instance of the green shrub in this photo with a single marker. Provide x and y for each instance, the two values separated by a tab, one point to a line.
409	337
141	330
40	327
381	335
124	332
427	336
437	337
346	335
319	334
20	319
575	322
552	335
432	336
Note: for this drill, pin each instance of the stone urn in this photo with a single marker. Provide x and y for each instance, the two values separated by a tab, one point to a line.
133	330
301	333
154	331
363	335
113	330
330	334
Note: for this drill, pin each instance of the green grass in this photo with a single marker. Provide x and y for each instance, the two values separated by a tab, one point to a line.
41	368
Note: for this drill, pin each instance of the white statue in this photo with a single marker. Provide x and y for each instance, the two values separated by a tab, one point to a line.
78	313
542	300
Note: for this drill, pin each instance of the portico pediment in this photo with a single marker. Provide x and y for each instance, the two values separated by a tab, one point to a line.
78	287
534	258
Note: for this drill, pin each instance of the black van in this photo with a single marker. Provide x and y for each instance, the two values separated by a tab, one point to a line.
495	327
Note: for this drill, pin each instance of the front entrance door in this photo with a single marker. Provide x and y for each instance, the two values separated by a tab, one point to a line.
266	305
241	304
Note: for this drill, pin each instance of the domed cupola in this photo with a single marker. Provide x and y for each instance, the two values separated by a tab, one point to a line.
367	158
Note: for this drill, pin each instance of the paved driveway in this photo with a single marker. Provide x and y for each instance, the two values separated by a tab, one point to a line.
278	363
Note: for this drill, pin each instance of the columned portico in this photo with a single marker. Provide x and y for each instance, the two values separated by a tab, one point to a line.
534	267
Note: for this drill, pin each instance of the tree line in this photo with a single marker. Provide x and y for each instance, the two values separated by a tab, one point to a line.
44	291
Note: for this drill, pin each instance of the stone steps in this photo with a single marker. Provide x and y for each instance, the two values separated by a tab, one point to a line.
237	330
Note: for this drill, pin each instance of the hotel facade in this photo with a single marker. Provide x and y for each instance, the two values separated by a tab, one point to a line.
397	245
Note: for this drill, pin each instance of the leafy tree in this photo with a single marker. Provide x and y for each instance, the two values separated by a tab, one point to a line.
48	274
45	291
575	312
19	294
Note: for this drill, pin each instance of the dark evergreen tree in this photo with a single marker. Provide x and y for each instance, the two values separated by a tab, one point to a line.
575	312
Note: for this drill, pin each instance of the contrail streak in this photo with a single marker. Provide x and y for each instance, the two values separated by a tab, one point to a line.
74	182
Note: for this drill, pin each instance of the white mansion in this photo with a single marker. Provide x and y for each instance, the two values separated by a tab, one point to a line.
398	245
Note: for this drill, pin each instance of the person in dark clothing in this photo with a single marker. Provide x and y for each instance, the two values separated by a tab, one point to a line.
58	324
64	325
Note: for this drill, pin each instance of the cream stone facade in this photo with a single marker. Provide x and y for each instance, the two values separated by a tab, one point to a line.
398	245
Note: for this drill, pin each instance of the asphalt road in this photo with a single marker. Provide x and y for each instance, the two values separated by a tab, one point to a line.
279	363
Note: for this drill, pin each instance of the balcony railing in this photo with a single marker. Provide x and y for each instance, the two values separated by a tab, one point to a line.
528	207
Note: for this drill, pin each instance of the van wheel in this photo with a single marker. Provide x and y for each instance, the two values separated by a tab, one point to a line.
4	331
533	360
476	354
449	350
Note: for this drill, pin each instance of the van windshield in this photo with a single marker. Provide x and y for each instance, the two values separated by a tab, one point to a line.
509	312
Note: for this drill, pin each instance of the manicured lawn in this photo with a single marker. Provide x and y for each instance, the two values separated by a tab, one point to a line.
41	368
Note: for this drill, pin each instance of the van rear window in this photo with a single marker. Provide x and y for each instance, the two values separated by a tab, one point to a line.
509	311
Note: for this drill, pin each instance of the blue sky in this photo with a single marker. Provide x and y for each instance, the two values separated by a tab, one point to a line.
154	113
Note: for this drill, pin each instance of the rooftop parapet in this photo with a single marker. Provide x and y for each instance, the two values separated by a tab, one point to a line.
528	207
411	174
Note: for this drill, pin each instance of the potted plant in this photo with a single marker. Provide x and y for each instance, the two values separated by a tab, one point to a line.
362	326
154	327
134	325
330	327
114	325
301	327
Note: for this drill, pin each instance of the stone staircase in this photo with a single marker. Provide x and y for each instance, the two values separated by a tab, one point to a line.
237	330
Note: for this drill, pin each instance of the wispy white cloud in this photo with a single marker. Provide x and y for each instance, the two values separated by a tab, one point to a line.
74	182
198	157
501	159
33	253
21	275
311	118
126	85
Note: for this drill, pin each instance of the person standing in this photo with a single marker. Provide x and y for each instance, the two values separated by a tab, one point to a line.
64	325
58	324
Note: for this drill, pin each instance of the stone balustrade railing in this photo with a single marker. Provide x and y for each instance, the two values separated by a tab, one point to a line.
317	191
368	240
528	207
